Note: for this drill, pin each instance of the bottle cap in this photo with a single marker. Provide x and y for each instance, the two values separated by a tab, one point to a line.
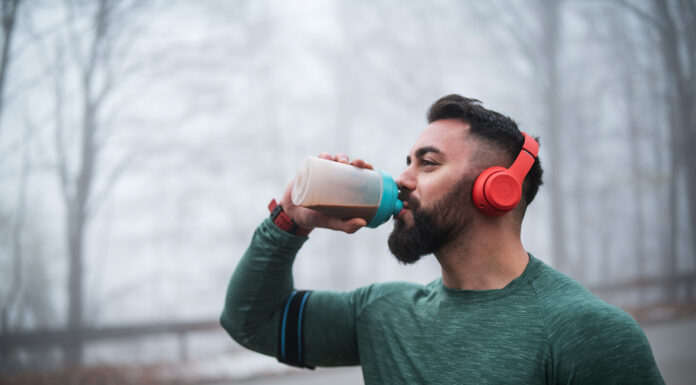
389	203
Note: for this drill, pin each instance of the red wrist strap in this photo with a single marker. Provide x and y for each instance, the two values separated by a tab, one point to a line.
283	221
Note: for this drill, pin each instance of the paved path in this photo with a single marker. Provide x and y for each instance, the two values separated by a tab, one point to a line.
674	347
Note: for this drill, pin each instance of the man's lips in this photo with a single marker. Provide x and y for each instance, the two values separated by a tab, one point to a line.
407	207
401	213
410	204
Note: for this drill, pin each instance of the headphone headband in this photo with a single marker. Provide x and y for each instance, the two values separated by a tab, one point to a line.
525	160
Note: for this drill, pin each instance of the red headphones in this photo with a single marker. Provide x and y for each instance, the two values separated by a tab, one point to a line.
498	190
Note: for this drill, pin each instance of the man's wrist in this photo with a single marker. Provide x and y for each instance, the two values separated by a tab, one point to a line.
283	221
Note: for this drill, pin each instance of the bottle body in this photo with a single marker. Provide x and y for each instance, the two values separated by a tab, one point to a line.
345	191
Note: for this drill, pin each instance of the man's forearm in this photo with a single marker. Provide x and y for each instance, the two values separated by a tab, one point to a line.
259	288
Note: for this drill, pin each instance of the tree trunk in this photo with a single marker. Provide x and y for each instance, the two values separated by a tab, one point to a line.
77	225
75	234
9	15
626	52
77	218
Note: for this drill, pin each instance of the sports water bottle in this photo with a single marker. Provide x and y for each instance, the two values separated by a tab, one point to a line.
346	191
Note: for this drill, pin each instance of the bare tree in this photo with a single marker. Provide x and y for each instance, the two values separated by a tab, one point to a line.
675	24
94	50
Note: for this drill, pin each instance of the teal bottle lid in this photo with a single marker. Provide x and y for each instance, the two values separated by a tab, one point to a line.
389	203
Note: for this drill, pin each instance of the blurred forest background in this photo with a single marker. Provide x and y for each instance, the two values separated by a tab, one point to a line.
141	140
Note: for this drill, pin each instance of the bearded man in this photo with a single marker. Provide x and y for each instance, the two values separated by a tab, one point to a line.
497	315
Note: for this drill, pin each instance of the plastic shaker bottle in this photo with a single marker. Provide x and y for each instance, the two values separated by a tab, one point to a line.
346	191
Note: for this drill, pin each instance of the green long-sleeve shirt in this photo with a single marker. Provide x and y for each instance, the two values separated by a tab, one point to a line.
542	328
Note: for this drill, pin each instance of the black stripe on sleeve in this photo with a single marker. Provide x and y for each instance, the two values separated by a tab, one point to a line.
291	341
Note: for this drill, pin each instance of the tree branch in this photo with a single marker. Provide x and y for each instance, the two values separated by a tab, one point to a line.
62	163
688	12
98	199
74	36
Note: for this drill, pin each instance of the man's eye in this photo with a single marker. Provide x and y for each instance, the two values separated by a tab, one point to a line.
425	162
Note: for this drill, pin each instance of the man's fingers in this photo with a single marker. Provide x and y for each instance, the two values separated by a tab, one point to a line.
340	157
346	225
361	163
353	225
358	163
343	158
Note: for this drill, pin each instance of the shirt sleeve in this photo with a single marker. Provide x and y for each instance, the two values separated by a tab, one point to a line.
259	290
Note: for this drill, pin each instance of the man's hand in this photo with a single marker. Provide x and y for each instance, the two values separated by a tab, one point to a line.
309	219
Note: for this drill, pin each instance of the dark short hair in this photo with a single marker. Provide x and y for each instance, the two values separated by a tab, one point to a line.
494	128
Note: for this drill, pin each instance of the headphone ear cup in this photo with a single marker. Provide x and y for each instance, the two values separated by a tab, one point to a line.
480	195
498	190
503	191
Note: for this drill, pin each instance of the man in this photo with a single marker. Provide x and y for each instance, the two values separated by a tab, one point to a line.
498	315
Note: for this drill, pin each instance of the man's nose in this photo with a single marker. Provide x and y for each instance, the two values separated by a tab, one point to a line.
405	181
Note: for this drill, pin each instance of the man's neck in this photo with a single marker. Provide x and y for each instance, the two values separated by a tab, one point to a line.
487	257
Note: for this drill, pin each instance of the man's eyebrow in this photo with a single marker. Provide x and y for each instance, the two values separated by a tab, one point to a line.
422	151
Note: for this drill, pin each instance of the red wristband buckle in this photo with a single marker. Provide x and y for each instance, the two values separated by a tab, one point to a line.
283	221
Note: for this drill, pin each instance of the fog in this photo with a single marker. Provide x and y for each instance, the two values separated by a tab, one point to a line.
141	141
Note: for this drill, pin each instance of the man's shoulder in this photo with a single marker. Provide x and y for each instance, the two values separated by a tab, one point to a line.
586	332
563	300
568	305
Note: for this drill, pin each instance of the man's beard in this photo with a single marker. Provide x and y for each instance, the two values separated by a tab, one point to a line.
432	228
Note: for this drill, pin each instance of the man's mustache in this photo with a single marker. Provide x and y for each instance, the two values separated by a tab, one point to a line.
409	200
